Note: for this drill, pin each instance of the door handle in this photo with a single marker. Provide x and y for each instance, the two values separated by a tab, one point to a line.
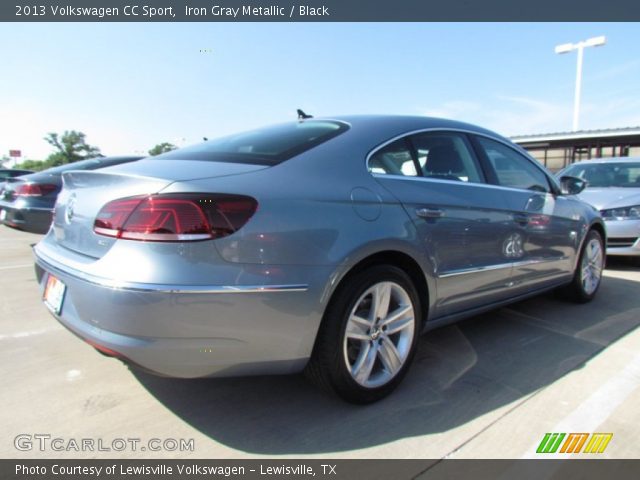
429	213
521	218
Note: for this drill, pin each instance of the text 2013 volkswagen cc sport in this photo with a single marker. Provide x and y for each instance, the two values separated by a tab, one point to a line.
325	245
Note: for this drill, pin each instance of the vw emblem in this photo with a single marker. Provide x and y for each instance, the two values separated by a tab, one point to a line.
68	214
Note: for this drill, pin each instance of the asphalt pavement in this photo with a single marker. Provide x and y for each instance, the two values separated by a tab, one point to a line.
489	387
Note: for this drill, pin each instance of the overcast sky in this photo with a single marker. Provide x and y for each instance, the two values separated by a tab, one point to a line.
130	86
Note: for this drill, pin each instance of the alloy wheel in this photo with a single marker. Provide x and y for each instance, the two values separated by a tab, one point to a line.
591	267
379	334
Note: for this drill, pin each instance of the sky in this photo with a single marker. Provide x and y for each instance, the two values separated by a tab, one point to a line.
131	86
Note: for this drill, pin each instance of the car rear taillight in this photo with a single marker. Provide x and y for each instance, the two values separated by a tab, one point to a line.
174	217
34	189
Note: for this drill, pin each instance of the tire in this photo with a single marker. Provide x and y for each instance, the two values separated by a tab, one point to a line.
588	275
367	363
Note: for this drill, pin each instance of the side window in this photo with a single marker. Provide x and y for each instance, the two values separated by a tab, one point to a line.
394	159
446	155
512	169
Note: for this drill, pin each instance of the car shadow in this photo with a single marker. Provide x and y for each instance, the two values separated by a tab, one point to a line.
460	372
626	264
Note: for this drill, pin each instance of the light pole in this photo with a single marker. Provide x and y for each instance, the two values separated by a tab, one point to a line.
566	48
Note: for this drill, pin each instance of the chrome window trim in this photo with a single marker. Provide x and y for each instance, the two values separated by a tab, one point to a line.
456	182
518	150
51	266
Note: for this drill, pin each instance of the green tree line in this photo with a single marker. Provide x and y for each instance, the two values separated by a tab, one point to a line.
71	146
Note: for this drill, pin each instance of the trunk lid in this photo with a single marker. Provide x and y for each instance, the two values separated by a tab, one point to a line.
86	192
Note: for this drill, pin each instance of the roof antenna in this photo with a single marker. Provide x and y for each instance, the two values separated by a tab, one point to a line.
303	116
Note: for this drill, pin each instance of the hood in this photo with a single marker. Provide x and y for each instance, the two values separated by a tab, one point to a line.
612	197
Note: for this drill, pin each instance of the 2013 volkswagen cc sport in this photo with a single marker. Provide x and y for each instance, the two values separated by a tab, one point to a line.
324	245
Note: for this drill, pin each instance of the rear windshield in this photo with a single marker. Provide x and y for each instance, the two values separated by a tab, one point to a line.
267	146
90	164
13	173
79	165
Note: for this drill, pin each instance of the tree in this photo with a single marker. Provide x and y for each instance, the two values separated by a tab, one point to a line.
71	146
162	148
35	165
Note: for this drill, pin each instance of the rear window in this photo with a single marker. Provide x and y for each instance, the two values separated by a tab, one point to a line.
267	146
13	173
79	165
90	164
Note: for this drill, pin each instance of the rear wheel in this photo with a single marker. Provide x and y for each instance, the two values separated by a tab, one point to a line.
368	336
588	274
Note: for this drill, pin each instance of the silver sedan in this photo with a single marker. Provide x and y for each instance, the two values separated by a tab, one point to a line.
323	245
613	187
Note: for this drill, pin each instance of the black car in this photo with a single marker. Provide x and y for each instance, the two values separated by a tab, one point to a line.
26	202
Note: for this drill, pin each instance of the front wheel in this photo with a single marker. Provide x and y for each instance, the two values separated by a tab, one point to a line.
588	274
368	336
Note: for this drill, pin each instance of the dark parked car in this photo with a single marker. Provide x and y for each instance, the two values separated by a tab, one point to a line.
26	202
324	244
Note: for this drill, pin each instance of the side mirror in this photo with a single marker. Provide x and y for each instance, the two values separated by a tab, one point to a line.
572	185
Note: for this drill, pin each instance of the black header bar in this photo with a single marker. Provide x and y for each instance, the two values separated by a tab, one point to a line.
317	10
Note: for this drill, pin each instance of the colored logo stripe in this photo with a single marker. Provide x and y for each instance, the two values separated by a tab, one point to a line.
550	443
574	442
598	442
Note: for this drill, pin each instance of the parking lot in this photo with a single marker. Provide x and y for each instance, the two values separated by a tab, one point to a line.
489	387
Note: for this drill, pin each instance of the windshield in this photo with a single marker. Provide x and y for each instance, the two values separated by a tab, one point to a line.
267	146
614	174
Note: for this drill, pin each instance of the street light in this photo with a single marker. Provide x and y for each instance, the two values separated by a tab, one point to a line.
568	47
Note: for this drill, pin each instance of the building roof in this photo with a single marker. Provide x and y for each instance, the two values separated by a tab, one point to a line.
609	160
580	134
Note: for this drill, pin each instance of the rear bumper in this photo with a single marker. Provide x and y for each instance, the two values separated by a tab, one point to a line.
623	237
191	331
33	220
